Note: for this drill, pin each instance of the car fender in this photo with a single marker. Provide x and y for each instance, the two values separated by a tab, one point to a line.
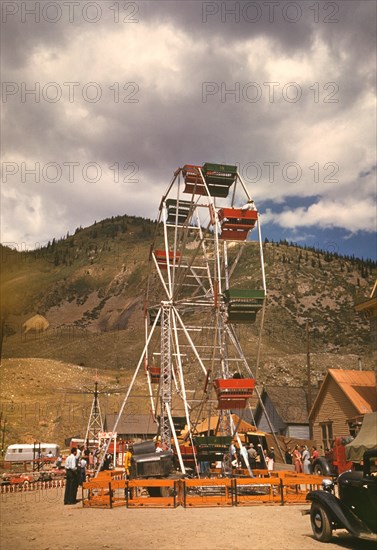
339	513
325	466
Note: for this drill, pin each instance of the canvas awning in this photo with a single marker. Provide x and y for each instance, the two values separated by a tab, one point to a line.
365	439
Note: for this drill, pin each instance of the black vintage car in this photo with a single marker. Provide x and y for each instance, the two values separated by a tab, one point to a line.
356	508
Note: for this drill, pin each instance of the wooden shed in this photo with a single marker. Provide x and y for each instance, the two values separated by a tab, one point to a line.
287	410
345	396
132	426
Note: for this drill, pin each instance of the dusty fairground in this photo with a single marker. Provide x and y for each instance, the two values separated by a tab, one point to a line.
40	520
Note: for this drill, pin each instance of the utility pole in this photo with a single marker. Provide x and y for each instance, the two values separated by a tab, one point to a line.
308	373
95	424
2	427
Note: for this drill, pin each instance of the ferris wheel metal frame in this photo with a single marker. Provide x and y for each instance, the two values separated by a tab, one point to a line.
190	308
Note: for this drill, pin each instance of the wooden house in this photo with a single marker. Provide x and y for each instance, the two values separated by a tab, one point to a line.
133	427
287	411
344	397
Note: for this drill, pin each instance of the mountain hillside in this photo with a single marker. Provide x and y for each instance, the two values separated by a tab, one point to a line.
90	288
93	282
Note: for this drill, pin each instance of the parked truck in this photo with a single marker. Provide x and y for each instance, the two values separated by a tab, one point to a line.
334	462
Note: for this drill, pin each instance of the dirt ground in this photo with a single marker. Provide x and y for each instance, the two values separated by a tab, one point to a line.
39	520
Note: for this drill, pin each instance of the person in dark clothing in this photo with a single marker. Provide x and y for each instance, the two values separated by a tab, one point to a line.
71	478
81	469
288	456
271	454
262	462
107	462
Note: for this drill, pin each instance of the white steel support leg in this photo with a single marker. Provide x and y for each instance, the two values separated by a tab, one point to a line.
170	419
166	376
245	455
261	255
127	394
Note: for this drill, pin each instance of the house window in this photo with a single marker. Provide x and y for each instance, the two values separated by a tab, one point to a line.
327	435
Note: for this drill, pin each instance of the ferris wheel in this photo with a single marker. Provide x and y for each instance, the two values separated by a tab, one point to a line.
193	359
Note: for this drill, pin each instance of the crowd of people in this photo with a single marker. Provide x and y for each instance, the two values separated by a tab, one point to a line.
301	458
80	460
76	465
258	457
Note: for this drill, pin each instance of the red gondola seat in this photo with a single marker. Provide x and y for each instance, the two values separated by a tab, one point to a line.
162	258
233	393
154	373
193	181
236	223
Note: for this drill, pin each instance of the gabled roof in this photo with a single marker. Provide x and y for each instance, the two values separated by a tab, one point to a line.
132	424
358	386
369	306
290	402
242	426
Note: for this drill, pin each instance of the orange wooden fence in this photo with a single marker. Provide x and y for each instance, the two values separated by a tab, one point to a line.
281	488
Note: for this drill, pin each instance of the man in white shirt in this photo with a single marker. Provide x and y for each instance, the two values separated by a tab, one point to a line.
233	454
71	478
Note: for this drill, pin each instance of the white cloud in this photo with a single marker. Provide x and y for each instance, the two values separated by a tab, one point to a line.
351	216
168	59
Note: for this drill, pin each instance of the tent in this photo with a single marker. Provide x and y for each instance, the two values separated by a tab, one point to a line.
365	439
37	323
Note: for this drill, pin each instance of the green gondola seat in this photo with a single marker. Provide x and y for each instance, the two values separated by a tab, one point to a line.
219	178
177	211
211	448
243	305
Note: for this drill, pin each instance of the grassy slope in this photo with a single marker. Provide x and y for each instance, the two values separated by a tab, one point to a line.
91	287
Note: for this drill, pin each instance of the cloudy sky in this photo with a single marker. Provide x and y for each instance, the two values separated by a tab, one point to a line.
102	101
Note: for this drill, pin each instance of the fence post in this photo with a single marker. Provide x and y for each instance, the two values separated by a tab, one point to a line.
234	491
110	495
184	492
282	491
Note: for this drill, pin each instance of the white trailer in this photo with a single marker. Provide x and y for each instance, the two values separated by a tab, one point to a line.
19	452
